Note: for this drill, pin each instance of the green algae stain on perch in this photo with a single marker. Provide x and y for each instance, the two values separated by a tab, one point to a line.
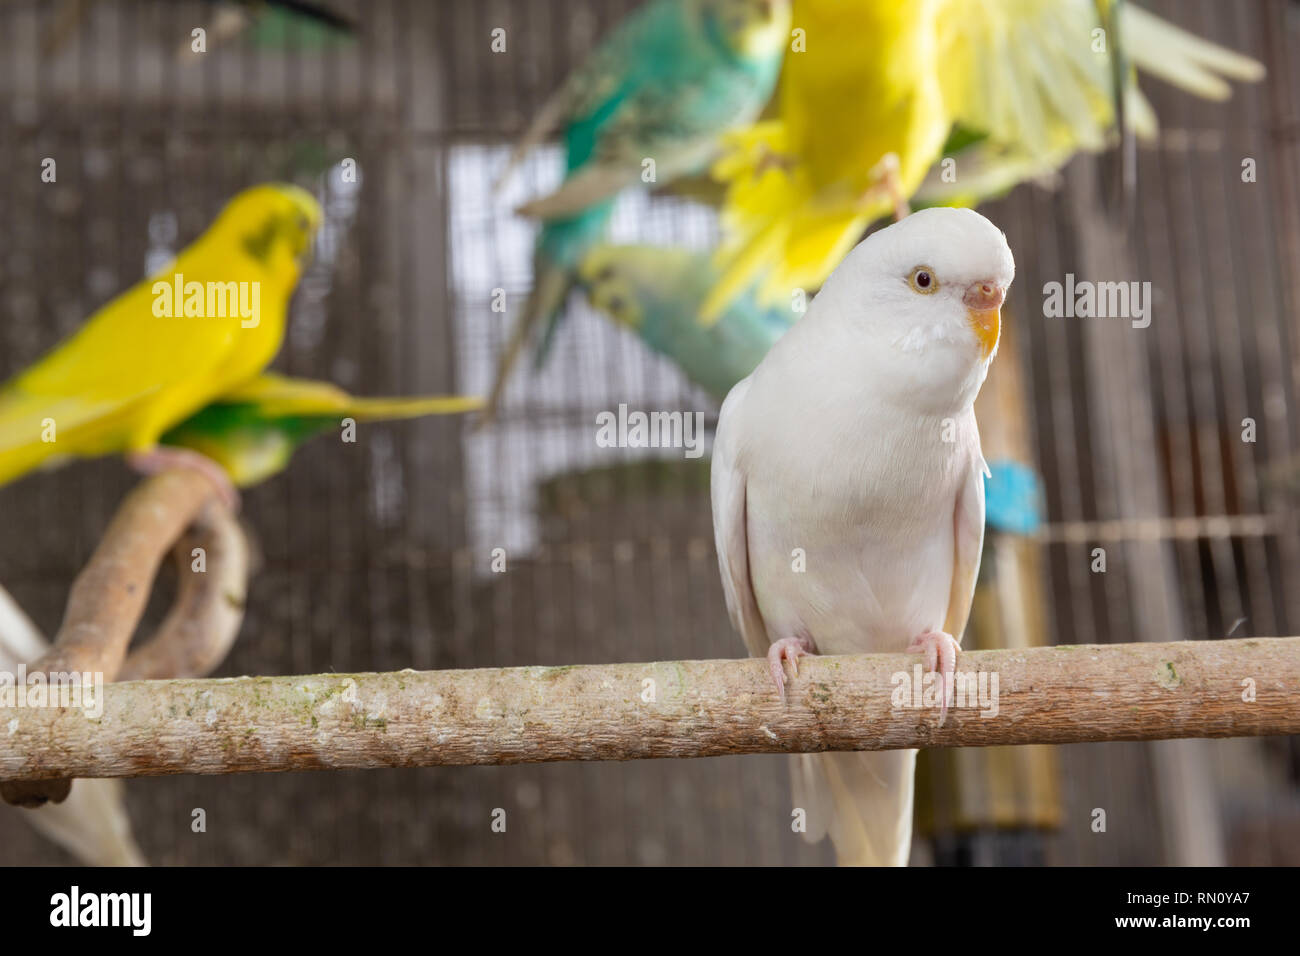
1167	676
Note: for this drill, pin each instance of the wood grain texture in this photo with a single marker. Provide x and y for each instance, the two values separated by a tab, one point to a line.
700	708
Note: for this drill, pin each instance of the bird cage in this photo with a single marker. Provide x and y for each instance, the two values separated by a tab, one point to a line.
434	544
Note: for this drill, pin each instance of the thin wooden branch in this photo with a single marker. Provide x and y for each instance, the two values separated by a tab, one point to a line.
109	596
208	609
673	709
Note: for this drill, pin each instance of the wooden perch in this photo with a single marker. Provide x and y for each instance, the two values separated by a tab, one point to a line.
1069	694
110	594
208	609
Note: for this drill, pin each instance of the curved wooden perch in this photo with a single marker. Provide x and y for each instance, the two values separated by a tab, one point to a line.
110	594
1067	694
208	609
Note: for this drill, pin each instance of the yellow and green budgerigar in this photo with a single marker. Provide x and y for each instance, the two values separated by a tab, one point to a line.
253	431
205	324
874	90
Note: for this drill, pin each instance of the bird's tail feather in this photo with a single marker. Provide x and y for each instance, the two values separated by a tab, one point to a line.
549	117
862	801
550	288
381	409
91	824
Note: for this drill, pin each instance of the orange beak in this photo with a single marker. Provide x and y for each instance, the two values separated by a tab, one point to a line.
983	301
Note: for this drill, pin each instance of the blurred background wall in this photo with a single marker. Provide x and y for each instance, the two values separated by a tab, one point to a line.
375	555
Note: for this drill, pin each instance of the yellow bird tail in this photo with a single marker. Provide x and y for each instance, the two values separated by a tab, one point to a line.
377	409
278	396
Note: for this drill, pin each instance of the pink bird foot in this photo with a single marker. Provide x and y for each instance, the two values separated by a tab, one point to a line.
787	649
940	649
163	457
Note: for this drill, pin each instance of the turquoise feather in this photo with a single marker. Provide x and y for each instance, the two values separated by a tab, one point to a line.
1013	498
663	86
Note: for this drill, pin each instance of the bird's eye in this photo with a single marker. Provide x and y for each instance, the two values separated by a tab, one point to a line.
922	280
616	305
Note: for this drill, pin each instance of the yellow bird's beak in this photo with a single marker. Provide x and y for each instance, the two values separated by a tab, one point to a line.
983	301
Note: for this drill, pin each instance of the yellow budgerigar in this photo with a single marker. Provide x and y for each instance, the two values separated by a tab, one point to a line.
874	89
207	322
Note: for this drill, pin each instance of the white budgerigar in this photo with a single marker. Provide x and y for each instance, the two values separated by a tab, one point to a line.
855	441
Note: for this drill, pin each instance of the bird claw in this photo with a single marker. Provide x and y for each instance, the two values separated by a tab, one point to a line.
787	649
940	649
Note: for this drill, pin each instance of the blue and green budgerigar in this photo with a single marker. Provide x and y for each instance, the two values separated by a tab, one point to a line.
657	293
253	431
650	104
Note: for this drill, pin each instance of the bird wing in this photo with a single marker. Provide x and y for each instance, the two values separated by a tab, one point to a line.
730	526
1025	72
656	90
594	84
797	185
968	544
125	351
95	385
1035	78
676	122
1183	59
